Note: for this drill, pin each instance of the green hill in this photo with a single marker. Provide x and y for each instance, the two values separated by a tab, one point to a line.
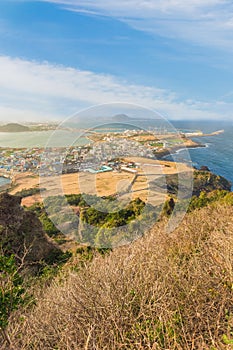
14	127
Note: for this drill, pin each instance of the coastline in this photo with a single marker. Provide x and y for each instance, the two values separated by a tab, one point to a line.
5	185
172	150
161	153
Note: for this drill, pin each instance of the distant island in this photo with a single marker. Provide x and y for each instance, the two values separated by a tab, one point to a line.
14	127
121	118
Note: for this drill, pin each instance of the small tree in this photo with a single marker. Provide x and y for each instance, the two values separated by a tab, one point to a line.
11	292
168	207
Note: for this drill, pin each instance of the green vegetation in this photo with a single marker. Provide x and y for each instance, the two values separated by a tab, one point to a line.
48	225
168	207
21	235
203	181
98	221
103	224
12	292
205	199
161	292
176	140
111	225
156	144
29	192
122	217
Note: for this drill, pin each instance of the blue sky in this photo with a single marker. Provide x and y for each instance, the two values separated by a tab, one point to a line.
59	56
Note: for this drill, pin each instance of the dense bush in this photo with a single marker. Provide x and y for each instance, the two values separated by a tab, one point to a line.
205	199
29	192
94	213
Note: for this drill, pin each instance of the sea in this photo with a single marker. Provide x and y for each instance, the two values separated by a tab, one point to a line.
217	153
4	181
61	138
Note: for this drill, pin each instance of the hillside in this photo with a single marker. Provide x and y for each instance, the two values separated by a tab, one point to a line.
21	234
202	181
14	127
164	291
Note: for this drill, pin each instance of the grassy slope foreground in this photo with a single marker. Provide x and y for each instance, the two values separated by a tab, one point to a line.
161	292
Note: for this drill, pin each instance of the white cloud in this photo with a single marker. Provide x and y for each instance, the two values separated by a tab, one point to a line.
34	90
202	22
20	114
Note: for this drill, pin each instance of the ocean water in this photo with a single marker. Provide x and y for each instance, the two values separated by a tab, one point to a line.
218	153
4	181
60	138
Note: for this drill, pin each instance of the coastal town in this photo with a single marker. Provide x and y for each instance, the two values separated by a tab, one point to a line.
111	162
99	152
56	161
111	156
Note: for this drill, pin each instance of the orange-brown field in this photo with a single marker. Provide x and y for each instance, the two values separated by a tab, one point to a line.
103	184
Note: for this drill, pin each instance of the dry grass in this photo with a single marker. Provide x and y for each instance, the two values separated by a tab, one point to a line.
162	292
103	184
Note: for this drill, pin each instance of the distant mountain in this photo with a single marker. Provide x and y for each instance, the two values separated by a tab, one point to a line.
121	118
13	127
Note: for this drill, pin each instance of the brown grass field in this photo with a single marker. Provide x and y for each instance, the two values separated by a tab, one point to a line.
103	184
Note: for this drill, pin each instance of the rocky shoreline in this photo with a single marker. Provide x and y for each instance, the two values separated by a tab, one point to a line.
169	151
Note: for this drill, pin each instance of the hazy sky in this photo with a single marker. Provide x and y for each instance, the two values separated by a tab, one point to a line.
60	56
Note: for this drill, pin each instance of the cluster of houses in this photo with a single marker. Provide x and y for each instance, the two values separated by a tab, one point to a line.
98	158
63	160
119	147
109	155
94	158
37	160
20	160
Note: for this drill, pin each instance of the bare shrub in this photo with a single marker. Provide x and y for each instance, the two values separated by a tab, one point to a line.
161	292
